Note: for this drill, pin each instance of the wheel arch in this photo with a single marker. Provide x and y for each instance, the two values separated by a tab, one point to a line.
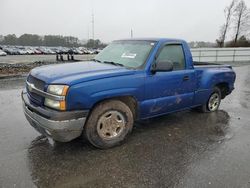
129	100
224	88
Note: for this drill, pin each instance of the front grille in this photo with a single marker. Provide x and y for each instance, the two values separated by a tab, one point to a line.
39	84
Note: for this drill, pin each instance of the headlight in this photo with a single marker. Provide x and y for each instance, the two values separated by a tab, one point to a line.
52	104
60	90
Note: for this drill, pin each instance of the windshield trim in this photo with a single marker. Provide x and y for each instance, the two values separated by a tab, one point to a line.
149	54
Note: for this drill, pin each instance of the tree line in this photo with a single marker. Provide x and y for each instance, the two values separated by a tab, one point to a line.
48	40
237	21
36	40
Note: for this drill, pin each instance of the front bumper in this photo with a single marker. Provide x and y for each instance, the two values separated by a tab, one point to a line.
61	126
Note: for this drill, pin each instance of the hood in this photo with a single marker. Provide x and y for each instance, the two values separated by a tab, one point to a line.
73	73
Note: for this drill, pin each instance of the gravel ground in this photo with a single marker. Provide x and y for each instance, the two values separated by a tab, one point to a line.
20	68
22	64
24	59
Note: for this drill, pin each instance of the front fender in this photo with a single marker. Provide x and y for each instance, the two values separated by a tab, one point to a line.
85	95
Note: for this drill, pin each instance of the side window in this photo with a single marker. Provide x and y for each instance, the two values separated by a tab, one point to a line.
173	53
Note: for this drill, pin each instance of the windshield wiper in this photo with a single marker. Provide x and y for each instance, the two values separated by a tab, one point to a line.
96	60
108	62
113	63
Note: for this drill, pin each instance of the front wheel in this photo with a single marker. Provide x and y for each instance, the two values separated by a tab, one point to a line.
213	102
109	124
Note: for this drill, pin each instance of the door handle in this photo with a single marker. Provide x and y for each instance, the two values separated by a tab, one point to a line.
185	78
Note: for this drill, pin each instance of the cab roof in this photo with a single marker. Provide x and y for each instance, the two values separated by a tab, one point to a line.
153	39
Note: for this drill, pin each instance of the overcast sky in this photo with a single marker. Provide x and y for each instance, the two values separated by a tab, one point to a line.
193	20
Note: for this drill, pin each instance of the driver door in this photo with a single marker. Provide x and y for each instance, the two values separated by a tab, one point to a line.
171	90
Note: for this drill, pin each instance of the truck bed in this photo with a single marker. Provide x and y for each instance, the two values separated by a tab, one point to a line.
198	64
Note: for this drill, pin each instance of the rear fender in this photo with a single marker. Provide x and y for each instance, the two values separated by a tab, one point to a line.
210	78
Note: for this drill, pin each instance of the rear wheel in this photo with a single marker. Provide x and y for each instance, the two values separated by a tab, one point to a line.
213	102
109	124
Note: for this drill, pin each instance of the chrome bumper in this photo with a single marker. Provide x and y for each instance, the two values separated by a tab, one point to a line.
62	130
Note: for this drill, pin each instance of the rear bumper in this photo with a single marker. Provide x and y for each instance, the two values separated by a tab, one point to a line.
61	126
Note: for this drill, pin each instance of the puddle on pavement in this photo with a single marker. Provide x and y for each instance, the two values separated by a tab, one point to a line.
181	136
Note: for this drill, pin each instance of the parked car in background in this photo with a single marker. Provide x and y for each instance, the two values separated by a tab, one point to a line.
11	51
30	50
22	52
37	51
78	51
2	53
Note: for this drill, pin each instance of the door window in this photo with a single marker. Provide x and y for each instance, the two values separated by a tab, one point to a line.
173	53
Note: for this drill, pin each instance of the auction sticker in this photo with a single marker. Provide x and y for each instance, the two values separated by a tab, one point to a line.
128	55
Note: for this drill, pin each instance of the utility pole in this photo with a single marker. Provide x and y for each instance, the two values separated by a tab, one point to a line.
88	33
88	37
93	28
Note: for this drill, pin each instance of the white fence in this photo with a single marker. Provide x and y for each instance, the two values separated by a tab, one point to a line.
221	54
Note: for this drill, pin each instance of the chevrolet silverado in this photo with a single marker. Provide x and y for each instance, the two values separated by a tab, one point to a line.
129	80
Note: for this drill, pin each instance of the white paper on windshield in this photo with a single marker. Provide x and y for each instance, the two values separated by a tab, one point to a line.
128	55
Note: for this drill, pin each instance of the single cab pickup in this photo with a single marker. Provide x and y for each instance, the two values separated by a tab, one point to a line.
129	80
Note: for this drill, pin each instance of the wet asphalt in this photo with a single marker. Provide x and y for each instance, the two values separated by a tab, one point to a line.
186	149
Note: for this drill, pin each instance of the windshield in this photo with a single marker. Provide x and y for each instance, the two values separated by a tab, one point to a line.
131	54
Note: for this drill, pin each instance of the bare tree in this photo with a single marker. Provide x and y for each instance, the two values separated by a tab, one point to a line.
241	20
224	29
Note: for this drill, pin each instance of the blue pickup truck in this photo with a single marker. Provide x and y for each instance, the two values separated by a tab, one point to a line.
129	80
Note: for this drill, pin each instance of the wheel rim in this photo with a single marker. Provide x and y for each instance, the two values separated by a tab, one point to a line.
214	102
110	125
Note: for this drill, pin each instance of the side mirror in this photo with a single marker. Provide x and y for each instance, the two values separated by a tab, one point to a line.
162	66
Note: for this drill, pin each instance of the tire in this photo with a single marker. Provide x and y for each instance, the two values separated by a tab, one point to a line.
216	96
109	124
